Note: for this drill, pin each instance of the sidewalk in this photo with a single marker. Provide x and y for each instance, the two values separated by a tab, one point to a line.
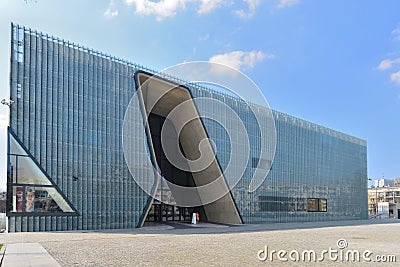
27	254
204	244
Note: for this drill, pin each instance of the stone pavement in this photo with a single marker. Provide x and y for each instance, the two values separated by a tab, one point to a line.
210	245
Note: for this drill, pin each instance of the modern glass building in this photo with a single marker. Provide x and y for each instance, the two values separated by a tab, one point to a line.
67	169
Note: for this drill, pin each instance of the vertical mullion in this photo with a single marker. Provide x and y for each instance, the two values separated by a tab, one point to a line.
38	94
44	70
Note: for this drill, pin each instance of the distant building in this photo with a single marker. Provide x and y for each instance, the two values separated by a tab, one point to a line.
383	210
384	202
383	183
3	196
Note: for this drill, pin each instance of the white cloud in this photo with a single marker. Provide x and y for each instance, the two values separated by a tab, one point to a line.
204	37
395	77
168	8
385	64
396	33
161	9
243	14
388	63
287	3
206	6
392	62
111	12
252	5
240	59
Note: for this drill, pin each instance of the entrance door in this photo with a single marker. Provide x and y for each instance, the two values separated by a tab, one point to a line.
160	212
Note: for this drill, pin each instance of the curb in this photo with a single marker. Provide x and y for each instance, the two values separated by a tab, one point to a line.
2	252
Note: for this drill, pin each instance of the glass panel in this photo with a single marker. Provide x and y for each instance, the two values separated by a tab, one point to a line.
13	162
29	173
312	204
54	195
18	193
38	199
323	205
32	190
16	148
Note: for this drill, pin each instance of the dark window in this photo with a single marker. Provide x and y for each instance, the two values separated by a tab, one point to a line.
292	204
312	204
287	204
317	204
323	206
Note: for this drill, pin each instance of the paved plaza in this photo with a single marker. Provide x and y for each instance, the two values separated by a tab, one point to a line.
214	245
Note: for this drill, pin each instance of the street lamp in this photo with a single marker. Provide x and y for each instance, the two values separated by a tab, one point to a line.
7	103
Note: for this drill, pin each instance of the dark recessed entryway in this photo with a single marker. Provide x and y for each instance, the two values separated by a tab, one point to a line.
160	98
159	210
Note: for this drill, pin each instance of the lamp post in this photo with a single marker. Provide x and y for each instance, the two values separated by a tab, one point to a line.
7	103
9	196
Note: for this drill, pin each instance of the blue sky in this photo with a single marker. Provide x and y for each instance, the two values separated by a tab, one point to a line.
335	63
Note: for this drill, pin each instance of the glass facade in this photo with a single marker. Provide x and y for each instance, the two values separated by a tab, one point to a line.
69	107
68	112
311	162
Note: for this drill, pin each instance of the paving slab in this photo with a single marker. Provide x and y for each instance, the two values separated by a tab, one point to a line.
27	254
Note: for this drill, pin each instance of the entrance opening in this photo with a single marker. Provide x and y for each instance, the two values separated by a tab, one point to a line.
160	211
160	98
